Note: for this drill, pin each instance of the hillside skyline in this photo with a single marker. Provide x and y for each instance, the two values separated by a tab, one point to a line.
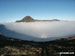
30	19
12	10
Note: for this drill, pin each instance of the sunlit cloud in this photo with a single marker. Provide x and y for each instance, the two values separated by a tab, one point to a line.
42	29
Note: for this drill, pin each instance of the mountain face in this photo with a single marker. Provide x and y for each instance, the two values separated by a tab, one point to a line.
0	33
30	19
26	19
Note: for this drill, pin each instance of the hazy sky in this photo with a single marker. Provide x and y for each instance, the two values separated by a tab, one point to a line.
11	10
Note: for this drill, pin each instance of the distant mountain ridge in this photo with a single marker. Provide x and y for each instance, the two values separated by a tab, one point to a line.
26	19
30	19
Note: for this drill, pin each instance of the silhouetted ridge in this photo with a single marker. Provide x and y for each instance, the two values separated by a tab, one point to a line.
26	19
30	19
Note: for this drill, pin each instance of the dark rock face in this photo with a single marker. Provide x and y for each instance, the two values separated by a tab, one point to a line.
0	33
26	19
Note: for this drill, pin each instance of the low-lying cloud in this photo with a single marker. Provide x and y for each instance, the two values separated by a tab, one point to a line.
42	30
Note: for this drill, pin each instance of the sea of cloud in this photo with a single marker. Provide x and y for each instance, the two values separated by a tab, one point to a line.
38	31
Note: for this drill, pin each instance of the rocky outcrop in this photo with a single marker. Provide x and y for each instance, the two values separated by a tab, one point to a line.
0	33
30	19
26	19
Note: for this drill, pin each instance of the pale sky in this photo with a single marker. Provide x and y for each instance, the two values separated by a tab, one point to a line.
12	10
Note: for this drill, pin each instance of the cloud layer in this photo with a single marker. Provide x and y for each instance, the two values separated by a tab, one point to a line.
41	30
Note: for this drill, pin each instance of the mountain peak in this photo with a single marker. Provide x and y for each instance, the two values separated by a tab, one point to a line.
26	19
30	19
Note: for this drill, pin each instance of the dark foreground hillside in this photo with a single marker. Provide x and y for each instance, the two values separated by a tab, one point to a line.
17	47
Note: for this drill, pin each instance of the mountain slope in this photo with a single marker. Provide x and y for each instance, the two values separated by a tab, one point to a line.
11	47
30	19
26	19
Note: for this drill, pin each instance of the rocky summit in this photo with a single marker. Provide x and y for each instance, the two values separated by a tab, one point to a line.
26	19
30	19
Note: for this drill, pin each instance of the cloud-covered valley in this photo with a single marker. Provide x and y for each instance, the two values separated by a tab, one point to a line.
38	31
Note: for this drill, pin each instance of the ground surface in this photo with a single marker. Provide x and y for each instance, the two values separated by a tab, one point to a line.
16	47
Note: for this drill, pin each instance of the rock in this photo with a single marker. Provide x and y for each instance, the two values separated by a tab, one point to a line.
0	33
26	19
30	19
